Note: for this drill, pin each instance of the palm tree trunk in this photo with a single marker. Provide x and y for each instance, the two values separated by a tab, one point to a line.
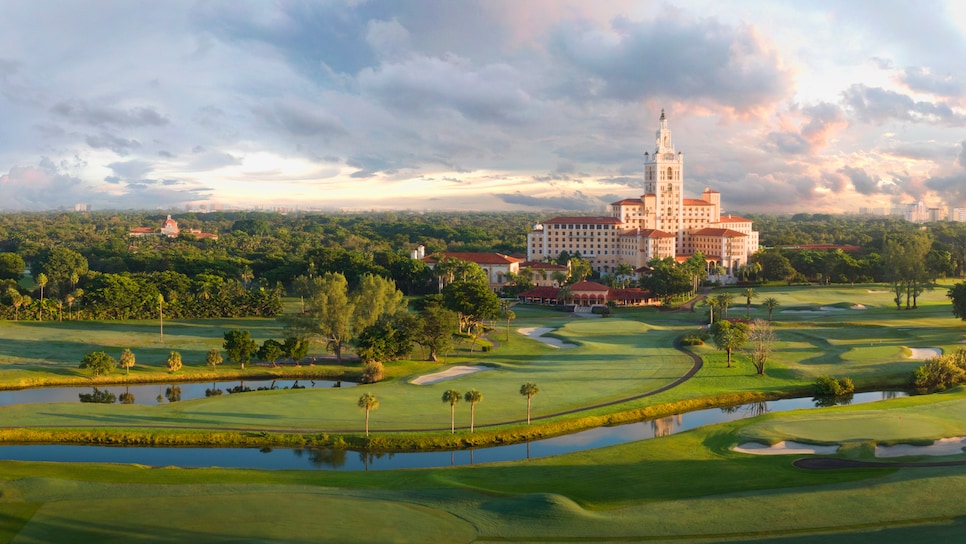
452	418
528	410
367	422
472	415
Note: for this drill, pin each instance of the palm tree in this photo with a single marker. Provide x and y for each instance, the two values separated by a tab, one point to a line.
749	294
508	314
473	396
771	303
623	272
724	300
16	299
161	315
452	396
712	304
528	390
41	283
368	402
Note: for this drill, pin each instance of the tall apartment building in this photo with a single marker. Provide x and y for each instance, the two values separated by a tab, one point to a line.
661	223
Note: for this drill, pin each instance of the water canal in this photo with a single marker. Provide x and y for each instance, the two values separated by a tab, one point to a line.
325	459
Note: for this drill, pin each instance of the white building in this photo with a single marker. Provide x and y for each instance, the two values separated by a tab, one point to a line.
661	223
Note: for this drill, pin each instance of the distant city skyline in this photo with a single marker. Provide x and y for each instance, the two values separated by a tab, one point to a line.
785	106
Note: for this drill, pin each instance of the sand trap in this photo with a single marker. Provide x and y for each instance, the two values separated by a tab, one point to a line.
878	291
925	353
537	334
448	374
859	307
785	448
944	446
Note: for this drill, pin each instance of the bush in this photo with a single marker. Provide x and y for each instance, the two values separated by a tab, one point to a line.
827	386
938	374
372	372
695	338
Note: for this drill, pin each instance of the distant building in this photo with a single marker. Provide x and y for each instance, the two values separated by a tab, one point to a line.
82	207
659	224
496	265
958	215
169	228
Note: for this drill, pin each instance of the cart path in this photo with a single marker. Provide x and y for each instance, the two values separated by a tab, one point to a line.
696	364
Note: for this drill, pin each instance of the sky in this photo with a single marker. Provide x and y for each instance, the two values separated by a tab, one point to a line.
538	105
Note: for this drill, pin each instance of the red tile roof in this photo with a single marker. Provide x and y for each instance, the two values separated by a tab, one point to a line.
726	233
478	258
734	219
696	202
630	294
588	286
584	220
627	201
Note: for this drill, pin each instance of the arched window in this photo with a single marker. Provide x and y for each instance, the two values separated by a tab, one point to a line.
669	174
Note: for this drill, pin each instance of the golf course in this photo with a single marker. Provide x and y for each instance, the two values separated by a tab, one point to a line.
589	371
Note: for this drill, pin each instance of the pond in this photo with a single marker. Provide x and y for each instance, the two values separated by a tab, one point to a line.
154	393
325	459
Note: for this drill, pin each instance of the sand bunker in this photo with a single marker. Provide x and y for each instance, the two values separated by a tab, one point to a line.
878	291
448	374
859	307
784	447
537	334
925	353
944	446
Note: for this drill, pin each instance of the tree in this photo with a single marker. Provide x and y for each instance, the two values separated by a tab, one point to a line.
126	361
507	314
957	294
528	390
98	363
749	294
174	361
452	396
473	302
771	303
161	315
332	311
12	266
368	402
439	325
762	338
16	300
295	348
729	336
271	351
724	301
213	358
239	346
41	283
473	396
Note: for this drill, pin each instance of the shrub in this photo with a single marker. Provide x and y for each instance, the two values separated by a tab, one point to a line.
174	361
372	372
938	374
695	338
827	386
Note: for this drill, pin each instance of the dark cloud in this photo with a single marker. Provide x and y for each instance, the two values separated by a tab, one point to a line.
577	201
121	146
80	112
822	120
698	59
421	85
132	169
790	143
213	161
923	79
877	105
863	182
302	119
369	166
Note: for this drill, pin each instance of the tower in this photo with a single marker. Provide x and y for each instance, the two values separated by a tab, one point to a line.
663	178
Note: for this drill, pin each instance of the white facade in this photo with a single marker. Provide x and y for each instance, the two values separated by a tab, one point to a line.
659	224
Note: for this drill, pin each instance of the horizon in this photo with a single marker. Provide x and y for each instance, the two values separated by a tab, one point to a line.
531	106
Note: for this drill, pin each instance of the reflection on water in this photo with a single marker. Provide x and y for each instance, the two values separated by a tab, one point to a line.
326	459
153	393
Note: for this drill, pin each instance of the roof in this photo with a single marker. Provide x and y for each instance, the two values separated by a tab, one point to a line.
627	201
589	286
541	292
721	233
696	202
584	220
647	233
630	294
537	265
478	258
710	190
733	219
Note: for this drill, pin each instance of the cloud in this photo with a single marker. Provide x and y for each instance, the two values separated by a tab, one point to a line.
863	182
300	118
878	105
820	122
130	169
80	112
672	56
577	201
923	79
121	146
388	38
